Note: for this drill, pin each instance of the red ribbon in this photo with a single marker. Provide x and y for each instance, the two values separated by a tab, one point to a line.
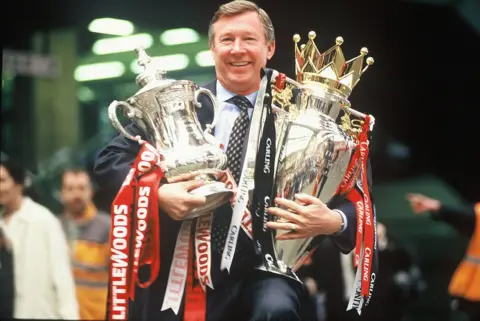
196	296
365	236
135	232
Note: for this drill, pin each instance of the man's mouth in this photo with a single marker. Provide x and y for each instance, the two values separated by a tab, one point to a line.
239	64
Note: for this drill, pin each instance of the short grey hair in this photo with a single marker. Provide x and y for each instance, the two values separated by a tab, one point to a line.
237	7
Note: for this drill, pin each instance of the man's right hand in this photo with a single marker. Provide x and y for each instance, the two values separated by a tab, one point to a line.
174	198
421	203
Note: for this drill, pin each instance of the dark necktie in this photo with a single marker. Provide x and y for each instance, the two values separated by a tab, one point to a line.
235	142
234	155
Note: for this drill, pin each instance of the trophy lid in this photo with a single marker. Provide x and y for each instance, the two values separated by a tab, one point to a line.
152	76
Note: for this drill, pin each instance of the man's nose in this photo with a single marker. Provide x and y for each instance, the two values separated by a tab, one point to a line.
238	46
77	196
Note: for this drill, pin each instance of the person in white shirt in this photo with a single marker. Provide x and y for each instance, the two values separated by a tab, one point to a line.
44	286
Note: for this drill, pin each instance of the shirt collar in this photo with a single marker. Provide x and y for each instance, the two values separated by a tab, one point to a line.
224	94
88	214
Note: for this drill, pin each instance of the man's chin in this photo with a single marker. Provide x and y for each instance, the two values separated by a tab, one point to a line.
242	79
77	211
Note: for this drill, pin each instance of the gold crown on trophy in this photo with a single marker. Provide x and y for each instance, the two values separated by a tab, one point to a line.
330	68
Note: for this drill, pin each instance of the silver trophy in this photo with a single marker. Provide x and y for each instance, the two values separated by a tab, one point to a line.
165	110
315	134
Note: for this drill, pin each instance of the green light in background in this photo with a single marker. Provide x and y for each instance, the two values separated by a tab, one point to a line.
179	36
167	63
122	44
85	94
111	26
204	58
104	70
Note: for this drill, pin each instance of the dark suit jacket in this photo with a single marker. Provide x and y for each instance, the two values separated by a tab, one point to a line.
463	220
111	167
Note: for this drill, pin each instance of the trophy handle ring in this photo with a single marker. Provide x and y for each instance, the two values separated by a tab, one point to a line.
112	114
216	110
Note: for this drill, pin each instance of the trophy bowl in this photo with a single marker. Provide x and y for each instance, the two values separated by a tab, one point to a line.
313	153
165	110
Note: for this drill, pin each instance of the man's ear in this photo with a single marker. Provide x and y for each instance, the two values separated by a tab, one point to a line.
271	50
212	51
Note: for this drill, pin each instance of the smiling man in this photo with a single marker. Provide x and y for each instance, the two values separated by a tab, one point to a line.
242	40
241	44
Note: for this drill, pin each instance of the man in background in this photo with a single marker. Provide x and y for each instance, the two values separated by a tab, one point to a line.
88	232
43	282
330	275
464	286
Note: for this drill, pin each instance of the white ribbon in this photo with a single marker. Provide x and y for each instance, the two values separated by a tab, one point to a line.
178	270
356	298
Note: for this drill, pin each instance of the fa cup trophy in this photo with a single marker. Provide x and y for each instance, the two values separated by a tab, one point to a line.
317	136
165	110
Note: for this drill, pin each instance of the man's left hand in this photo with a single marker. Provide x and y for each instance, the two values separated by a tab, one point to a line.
305	217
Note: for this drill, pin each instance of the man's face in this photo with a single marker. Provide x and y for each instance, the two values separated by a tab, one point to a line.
76	192
240	51
9	190
381	231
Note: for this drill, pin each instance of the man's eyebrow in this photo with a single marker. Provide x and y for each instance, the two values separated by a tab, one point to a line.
242	33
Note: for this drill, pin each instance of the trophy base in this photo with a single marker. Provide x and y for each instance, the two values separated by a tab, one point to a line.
216	193
288	272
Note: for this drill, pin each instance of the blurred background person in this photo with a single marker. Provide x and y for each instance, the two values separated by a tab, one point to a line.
464	286
397	285
331	274
88	232
6	277
399	282
44	287
317	298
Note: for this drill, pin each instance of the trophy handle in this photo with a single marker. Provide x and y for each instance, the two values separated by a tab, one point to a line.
112	114
216	110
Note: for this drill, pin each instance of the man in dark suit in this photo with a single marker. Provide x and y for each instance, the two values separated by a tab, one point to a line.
242	41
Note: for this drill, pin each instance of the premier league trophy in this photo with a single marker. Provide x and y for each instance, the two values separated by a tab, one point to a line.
316	135
165	110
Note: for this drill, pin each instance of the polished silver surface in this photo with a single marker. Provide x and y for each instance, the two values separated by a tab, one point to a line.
165	110
313	153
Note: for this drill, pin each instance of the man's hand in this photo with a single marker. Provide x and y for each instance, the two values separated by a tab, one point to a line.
306	217
421	203
174	198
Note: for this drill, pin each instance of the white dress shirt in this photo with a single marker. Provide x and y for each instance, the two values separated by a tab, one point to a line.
228	113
